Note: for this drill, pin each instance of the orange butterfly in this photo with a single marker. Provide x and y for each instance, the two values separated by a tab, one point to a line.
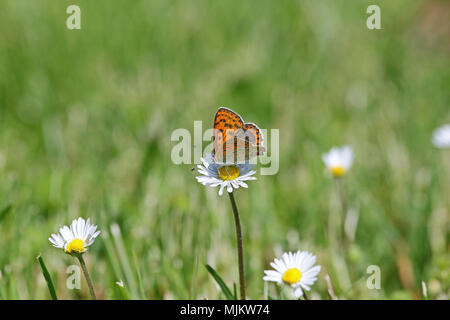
235	141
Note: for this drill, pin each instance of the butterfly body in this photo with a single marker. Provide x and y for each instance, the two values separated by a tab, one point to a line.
234	140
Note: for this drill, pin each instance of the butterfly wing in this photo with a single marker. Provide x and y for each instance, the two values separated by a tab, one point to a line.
256	145
226	124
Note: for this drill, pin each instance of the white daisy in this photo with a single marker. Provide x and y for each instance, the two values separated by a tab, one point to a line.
441	137
77	238
225	176
339	160
295	270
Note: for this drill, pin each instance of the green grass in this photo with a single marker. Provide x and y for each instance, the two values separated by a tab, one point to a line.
86	118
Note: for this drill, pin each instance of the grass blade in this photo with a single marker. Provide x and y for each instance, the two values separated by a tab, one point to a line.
123	258
139	276
123	291
226	291
48	278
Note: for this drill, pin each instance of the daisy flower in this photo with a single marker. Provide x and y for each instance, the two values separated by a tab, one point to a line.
295	270
224	176
339	160
77	238
441	137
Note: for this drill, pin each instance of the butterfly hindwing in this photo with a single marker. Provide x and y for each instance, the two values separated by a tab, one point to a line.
258	139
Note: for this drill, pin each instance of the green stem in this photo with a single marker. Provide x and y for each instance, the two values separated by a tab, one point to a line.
344	208
445	157
86	275
239	246
338	239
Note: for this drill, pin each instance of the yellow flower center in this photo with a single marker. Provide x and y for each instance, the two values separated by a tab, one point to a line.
75	246
337	171
228	172
292	276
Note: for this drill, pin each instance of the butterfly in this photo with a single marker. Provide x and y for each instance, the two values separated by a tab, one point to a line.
235	141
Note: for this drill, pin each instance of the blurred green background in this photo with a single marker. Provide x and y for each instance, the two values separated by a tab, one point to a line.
86	118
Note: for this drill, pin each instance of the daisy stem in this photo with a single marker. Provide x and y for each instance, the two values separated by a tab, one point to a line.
445	157
339	238
239	245
87	276
304	295
344	208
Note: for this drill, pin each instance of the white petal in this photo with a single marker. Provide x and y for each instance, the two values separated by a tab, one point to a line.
441	137
243	184
221	189
278	265
304	286
298	293
308	262
66	233
272	278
